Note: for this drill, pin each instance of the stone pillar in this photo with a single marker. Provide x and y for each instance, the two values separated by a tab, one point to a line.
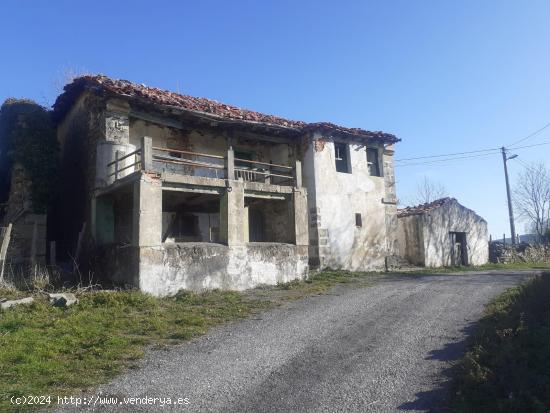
390	202
232	214
230	164
297	174
299	202
147	214
146	153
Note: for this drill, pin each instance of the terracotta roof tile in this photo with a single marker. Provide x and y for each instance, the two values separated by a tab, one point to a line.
195	104
423	208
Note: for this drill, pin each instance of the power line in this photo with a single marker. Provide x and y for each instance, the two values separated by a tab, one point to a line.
531	135
530	146
488	153
447	154
523	163
446	159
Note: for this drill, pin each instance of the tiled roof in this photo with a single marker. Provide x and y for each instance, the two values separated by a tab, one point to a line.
423	208
201	105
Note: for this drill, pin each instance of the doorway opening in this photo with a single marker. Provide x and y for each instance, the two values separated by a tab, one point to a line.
459	249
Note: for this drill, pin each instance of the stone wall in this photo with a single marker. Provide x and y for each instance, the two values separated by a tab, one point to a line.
453	217
168	268
523	253
28	236
411	239
425	239
334	199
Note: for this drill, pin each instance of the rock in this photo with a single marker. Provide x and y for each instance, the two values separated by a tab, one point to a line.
63	299
12	303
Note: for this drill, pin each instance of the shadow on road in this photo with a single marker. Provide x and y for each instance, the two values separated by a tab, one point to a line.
437	400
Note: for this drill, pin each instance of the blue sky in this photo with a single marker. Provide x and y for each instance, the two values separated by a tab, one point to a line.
444	76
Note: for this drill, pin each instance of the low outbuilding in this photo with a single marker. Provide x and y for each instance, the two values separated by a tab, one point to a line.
442	233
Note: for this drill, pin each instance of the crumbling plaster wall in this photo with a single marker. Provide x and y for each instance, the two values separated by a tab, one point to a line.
199	266
453	217
334	199
410	236
208	142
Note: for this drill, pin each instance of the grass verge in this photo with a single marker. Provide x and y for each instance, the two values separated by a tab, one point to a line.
507	368
45	350
485	267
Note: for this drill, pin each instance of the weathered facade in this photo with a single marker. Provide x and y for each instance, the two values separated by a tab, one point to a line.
351	199
167	191
442	233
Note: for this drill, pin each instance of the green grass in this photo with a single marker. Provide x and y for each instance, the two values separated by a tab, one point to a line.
490	266
45	350
507	368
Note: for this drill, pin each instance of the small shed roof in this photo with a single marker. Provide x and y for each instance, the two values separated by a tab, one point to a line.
423	208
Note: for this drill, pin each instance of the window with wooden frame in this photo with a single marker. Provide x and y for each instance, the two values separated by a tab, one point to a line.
373	162
341	156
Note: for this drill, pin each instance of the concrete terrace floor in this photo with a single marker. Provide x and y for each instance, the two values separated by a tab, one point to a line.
385	348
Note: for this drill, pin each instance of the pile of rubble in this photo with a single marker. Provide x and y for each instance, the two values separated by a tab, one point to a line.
56	299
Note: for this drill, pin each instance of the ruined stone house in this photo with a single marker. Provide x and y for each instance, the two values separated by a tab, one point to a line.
27	142
164	191
442	233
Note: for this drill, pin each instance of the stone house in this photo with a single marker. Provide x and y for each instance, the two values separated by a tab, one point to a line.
164	191
442	233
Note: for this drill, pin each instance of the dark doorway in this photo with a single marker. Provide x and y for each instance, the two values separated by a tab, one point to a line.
256	231
459	249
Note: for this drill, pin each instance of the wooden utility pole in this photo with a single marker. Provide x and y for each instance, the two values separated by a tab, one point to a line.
505	159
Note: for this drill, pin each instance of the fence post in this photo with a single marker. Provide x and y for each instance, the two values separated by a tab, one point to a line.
298	174
230	163
146	153
4	249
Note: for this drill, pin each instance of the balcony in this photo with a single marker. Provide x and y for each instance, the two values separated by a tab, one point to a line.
172	162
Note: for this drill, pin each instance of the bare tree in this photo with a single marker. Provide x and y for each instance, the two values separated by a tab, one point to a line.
532	197
428	191
66	75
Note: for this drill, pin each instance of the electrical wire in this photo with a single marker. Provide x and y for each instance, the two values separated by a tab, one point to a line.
530	146
447	154
445	160
531	135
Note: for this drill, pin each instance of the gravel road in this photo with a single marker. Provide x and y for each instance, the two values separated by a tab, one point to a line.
384	348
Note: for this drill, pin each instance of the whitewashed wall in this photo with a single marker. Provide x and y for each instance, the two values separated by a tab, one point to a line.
334	198
425	239
453	217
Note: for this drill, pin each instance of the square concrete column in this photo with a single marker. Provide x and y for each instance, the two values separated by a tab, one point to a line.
232	219
299	202
147	219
